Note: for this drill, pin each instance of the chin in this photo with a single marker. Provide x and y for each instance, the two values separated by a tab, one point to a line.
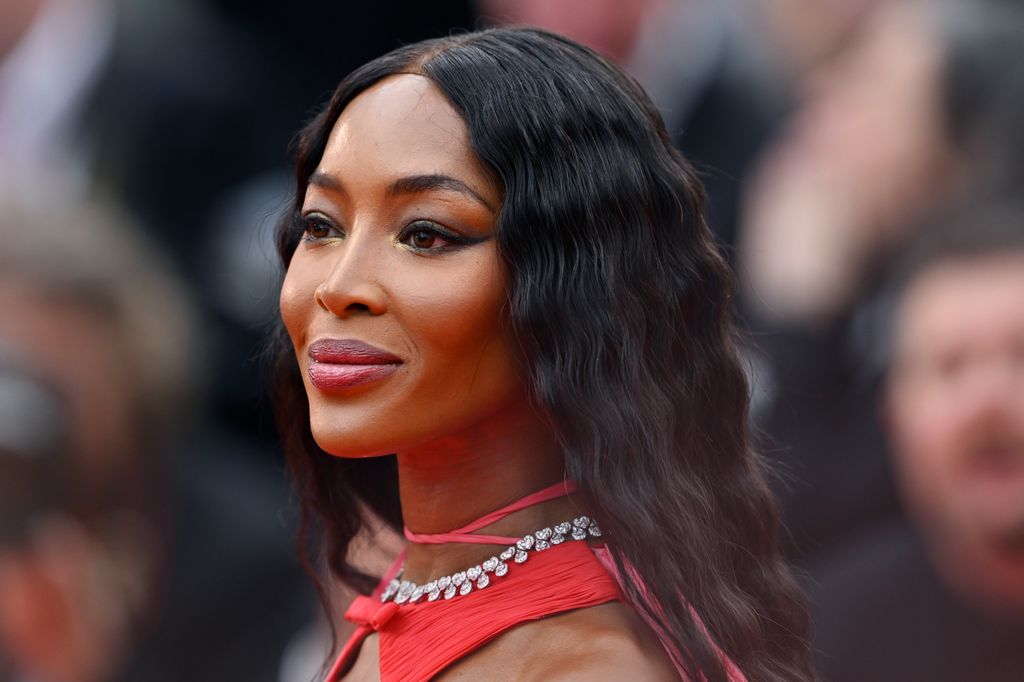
348	444
343	434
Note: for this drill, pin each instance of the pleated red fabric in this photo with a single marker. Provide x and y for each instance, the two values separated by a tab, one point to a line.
417	641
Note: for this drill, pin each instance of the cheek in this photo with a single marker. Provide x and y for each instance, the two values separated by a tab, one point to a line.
925	435
460	336
296	300
465	373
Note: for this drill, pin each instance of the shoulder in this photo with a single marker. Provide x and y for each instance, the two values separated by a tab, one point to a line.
605	642
612	657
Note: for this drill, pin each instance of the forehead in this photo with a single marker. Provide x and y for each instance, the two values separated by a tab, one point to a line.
402	125
976	298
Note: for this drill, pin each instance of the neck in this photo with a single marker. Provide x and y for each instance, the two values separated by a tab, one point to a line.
450	482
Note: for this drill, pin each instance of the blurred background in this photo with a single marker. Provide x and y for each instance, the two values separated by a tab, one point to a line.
864	161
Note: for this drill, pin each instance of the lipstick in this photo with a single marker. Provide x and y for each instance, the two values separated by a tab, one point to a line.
345	363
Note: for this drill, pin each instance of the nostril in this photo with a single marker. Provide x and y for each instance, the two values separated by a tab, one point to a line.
357	308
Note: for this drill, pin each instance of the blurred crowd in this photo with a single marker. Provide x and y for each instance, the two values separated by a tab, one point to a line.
864	161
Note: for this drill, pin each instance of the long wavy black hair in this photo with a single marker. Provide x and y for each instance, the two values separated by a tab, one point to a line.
622	309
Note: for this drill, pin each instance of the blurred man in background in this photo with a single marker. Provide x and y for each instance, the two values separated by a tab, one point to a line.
945	601
919	113
956	408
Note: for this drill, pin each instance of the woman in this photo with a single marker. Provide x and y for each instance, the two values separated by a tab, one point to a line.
499	284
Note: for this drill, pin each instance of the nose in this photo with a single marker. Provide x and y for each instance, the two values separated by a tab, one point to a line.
351	286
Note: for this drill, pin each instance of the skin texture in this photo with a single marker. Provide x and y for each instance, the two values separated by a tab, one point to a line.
956	412
455	412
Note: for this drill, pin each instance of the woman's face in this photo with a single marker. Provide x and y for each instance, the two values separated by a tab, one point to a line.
394	296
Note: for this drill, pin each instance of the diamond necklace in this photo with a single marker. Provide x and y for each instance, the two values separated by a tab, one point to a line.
479	576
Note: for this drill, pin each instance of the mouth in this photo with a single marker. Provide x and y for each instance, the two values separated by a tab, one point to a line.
993	464
345	363
998	460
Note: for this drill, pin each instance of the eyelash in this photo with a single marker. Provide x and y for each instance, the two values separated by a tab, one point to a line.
452	239
305	224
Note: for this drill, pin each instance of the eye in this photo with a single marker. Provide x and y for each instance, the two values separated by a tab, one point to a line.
316	227
425	239
424	235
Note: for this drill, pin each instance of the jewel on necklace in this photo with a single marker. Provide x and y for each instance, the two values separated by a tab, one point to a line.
526	543
479	576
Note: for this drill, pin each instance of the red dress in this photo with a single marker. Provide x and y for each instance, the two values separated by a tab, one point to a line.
419	640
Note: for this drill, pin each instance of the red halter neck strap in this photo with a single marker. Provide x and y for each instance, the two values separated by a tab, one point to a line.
465	534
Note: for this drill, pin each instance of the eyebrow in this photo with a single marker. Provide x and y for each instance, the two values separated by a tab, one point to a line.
411	184
414	184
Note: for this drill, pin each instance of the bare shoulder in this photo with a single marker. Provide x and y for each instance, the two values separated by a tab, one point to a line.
606	642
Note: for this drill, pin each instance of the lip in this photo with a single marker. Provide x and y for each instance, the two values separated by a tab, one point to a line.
999	462
345	363
350	352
